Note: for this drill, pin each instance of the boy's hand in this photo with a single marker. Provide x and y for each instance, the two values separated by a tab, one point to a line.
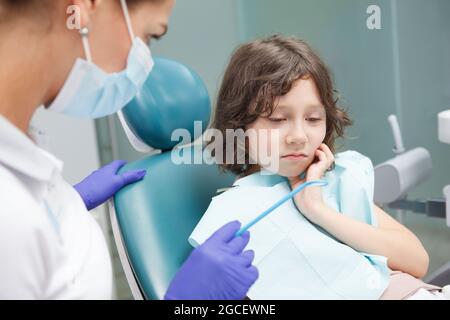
309	201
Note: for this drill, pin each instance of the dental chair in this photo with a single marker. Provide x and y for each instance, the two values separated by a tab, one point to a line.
152	219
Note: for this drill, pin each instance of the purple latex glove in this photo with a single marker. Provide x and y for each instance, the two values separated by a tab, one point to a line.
217	269
103	183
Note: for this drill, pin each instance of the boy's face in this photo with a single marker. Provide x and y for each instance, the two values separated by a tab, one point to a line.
297	126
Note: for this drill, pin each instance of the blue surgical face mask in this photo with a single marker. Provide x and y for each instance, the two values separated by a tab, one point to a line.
90	92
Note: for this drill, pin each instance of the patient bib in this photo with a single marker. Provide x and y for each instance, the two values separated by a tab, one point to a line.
297	259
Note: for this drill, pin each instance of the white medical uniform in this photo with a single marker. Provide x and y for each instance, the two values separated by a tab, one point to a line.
50	246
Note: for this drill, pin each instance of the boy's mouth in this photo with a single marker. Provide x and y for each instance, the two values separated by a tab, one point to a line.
295	156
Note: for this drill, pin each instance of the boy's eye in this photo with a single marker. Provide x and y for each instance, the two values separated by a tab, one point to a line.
277	119
313	119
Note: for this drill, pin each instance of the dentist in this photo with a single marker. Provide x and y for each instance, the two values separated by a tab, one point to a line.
50	247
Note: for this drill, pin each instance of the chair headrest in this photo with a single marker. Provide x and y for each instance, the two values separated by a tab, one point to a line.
173	97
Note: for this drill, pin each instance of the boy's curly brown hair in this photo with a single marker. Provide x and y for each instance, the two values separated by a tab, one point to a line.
259	72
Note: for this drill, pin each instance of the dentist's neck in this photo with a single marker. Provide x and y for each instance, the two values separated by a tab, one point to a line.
34	65
24	75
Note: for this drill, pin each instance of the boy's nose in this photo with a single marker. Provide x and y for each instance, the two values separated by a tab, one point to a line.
296	136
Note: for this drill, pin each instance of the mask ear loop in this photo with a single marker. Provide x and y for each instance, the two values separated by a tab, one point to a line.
84	32
136	142
127	18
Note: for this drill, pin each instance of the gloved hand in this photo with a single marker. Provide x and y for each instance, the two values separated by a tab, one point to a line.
217	269
103	183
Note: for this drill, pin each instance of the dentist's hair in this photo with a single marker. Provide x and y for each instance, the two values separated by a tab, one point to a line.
10	8
262	70
21	6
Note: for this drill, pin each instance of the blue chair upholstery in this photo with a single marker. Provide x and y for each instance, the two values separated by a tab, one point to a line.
173	97
157	215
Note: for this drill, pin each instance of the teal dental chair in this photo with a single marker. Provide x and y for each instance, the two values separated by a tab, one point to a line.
153	219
